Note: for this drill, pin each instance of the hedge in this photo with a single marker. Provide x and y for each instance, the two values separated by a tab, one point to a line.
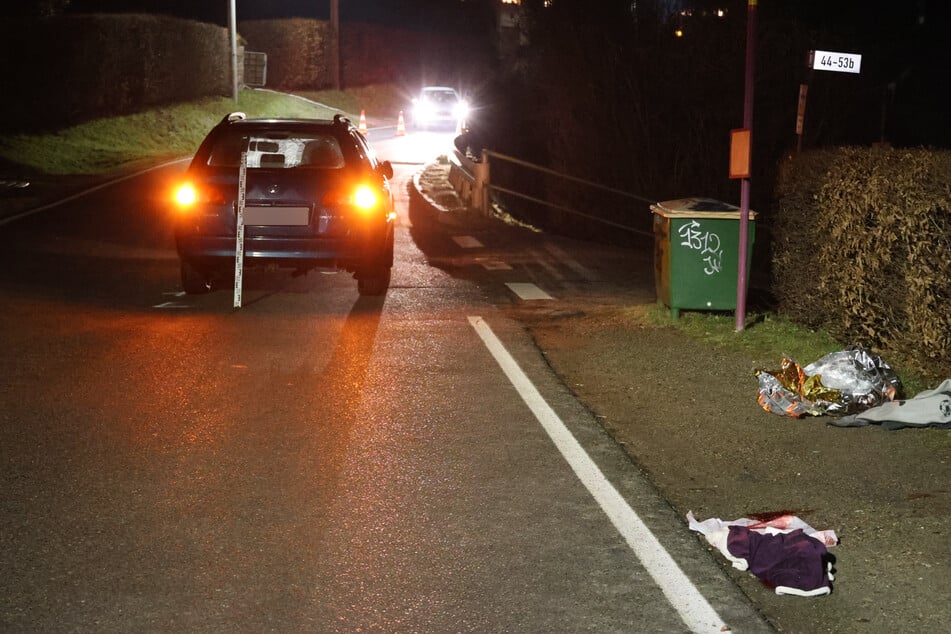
862	239
66	70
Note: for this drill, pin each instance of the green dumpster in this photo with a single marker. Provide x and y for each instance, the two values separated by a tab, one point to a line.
696	250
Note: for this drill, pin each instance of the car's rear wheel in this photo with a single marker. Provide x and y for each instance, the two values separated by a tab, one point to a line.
374	281
374	278
194	280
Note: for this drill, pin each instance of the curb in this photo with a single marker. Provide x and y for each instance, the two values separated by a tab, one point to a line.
456	215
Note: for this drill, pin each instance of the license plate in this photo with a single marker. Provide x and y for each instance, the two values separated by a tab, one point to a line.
277	216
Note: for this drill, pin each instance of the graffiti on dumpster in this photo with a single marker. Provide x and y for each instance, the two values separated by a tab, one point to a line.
704	241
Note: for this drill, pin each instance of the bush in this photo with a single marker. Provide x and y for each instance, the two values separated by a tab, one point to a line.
861	239
73	69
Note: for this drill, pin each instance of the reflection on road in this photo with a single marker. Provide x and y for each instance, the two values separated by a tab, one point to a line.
416	148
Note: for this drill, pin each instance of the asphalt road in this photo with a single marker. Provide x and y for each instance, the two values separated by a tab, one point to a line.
315	461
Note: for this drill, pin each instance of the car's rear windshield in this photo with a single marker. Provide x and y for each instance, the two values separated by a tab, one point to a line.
278	150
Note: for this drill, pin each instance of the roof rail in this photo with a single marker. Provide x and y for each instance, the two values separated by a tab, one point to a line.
233	116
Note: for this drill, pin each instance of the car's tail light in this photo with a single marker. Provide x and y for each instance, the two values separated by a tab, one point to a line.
188	195
363	199
185	195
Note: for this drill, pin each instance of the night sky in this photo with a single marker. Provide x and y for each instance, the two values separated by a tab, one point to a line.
397	12
866	15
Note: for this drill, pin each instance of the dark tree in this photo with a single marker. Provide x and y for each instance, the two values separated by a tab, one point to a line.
35	8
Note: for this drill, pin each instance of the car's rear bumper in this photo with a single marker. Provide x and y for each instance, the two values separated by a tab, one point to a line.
215	252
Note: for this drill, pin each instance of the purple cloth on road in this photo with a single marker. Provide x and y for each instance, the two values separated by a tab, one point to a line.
793	560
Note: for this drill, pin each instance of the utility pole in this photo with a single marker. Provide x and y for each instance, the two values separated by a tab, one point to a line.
233	34
335	43
742	275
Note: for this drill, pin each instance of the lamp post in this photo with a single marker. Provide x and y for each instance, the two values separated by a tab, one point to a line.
233	34
335	43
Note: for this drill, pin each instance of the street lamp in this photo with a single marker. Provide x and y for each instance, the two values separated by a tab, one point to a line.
335	42
233	34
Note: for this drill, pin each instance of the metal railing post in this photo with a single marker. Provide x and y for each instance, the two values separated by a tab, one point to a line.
484	184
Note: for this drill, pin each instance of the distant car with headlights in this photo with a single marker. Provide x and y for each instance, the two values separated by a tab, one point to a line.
315	197
439	106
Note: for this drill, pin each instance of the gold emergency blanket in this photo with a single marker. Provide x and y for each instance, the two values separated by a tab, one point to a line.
855	380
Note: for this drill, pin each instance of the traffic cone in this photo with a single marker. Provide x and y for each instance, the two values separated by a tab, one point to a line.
400	125
363	122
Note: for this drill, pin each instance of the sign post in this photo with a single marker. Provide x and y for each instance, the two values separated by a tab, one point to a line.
742	273
801	115
239	226
823	60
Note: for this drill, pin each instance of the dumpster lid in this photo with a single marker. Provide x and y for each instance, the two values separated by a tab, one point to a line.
697	207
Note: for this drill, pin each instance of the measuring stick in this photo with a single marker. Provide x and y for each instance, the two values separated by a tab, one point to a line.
239	227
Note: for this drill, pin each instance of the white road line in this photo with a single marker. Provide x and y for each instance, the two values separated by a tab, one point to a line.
528	291
171	305
56	203
467	242
692	607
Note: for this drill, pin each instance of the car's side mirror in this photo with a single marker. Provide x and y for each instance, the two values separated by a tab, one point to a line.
386	169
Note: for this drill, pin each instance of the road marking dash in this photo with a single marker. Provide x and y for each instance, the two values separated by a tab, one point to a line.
527	291
467	242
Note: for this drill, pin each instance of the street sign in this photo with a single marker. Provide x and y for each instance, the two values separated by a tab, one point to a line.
836	62
740	153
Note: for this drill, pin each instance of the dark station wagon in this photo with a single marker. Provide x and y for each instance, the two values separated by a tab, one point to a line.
315	196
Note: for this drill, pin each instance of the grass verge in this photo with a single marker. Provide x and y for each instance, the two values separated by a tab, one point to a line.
107	145
384	101
770	337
